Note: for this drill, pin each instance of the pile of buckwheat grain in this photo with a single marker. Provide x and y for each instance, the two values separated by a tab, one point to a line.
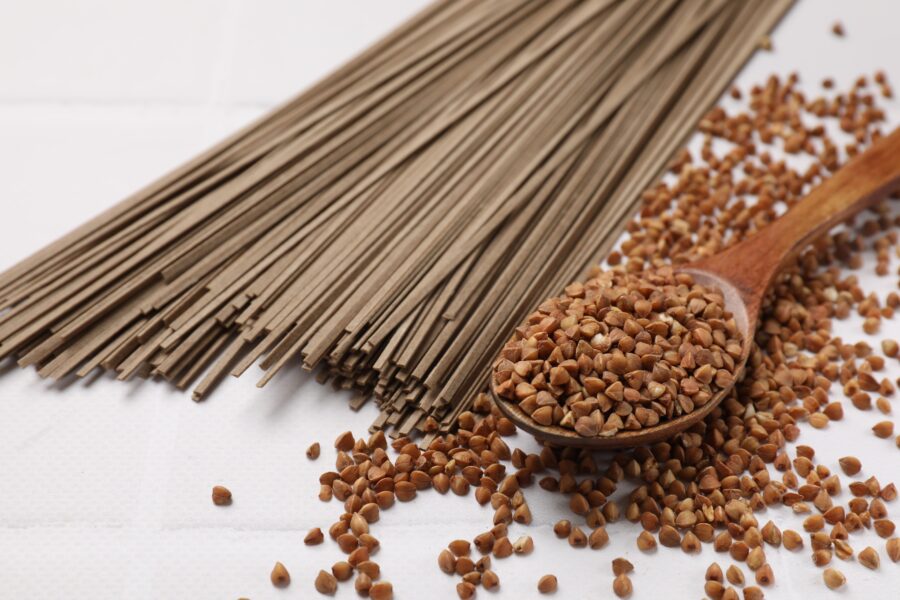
621	351
708	485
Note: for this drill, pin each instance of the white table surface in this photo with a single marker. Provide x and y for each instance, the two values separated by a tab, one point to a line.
104	488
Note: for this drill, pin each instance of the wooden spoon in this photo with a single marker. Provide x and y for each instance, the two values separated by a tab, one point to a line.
744	273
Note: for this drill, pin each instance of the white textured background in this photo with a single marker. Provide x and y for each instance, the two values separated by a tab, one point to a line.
104	489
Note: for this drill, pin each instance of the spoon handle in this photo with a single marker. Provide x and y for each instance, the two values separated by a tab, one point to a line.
752	264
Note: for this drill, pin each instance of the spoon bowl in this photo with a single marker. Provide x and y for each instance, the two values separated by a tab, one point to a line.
560	436
744	273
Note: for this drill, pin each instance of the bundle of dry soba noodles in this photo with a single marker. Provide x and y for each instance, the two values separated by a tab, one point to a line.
392	224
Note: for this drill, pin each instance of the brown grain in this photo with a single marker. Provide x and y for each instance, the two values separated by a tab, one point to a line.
344	442
714	573
342	570
645	541
821	557
524	545
562	528
460	548
792	540
313	451
489	580
326	583
362	584
883	527
869	558
547	584
850	465
502	548
221	496
381	590
883	429
465	589
622	586
892	547
833	578
371	568
764	575
280	576
735	575
753	592
314	537
621	566
669	537
598	538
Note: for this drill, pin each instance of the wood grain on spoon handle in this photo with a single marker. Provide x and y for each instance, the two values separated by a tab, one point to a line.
750	265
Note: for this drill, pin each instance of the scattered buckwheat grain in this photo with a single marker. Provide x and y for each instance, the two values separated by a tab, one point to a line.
547	584
221	496
833	578
280	576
